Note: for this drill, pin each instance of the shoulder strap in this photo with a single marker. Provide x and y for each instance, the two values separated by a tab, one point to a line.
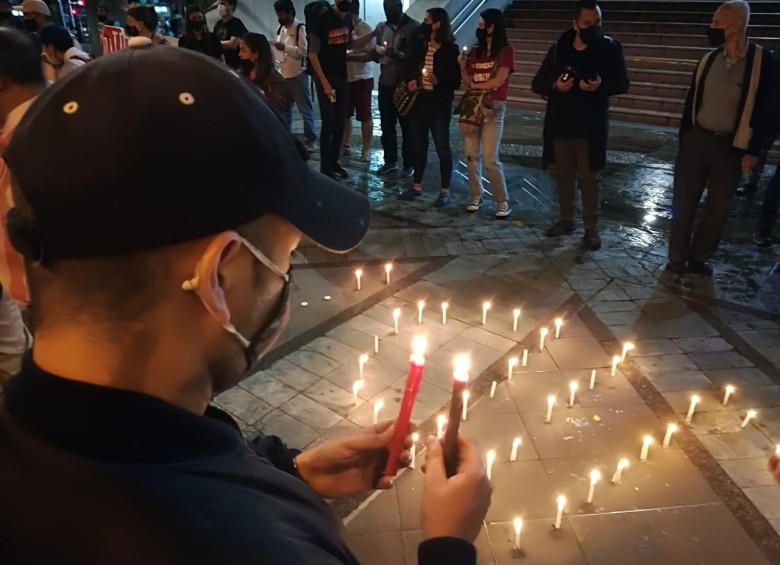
279	30
494	70
297	33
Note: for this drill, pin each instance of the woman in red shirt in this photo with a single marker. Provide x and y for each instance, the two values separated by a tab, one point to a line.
478	73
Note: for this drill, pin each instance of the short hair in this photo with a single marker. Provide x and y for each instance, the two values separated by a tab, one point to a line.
147	15
740	7
56	36
355	7
585	5
20	58
284	6
233	3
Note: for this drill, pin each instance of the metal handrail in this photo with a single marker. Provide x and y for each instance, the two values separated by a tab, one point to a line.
458	21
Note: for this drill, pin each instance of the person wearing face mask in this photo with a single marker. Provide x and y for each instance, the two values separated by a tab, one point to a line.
104	19
257	65
393	40
142	21
36	15
290	54
229	30
143	313
196	34
360	76
7	18
58	46
726	124
579	74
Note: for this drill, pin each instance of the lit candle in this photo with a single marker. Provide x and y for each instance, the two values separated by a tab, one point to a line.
550	404
388	268
416	368
420	308
645	448
518	523
542	335
358	274
729	391
525	357
615	361
362	364
376	344
777	450
670	429
750	415
385	44
592	379
465	48
485	308
513	361
413	452
378	405
516	313
441	421
491	458
424	71
356	388
444	306
618	476
396	315
573	388
460	380
558	324
466	396
694	401
595	476
628	346
559	516
493	389
515	445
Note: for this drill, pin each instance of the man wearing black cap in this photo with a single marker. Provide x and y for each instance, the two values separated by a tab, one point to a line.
148	298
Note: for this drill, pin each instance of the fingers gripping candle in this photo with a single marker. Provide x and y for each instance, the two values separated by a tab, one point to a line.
460	379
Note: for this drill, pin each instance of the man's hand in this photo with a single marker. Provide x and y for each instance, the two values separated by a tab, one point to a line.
564	86
279	45
774	465
590	85
411	85
328	90
391	52
432	78
454	507
352	464
748	162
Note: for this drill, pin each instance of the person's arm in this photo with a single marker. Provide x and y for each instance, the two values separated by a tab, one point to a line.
506	64
448	76
367	53
543	82
686	122
235	38
362	41
615	80
298	51
764	126
316	66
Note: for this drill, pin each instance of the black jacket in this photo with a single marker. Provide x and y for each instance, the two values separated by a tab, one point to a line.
96	475
445	67
610	64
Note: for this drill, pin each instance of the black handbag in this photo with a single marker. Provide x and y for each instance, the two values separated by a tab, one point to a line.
404	99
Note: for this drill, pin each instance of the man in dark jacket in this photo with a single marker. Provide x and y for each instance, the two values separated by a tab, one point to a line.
578	75
149	298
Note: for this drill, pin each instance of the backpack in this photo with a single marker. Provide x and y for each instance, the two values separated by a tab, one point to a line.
305	60
314	14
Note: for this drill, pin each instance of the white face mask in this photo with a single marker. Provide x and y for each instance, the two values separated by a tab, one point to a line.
222	10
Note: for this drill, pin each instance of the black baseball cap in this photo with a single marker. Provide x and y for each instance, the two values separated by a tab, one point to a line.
155	145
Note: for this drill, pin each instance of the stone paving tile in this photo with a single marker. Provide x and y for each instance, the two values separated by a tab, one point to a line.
749	472
739	445
766	499
738	377
651	347
270	390
243	404
291	375
295	433
665	363
720	360
310	413
335	349
680	380
313	362
702	344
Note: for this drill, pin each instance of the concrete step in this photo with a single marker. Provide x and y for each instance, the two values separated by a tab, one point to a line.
623	28
758	6
611	15
657	76
632	61
631	49
677	91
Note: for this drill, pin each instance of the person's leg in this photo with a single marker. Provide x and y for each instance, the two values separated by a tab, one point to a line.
492	130
406	143
769	210
590	187
347	133
340	112
350	111
296	93
363	113
14	338
307	109
328	117
751	186
388	118
440	131
565	175
471	150
419	119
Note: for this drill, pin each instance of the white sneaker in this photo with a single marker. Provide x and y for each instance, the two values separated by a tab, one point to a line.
503	210
476	202
346	151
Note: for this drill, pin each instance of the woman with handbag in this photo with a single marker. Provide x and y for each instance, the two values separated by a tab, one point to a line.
486	74
433	73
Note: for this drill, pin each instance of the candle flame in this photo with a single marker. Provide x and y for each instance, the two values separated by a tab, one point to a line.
491	457
622	464
544	331
486	306
466	395
514	362
573	385
616	359
561	501
628	346
648	440
752	413
672	428
440	420
357	386
595	476
445	305
419	345
363	359
359	272
378	405
517	312
396	313
518	441
551	400
777	450
462	365
388	267
558	322
421	304
729	389
695	399
518	523
415	437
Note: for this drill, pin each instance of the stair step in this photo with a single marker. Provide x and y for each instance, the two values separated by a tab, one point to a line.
758	6
702	18
636	115
658	76
631	48
621	28
632	61
523	80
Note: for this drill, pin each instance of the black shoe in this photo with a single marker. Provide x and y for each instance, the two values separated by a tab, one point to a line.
407	172
747	191
386	168
699	268
410	194
677	267
442	200
331	174
762	240
339	171
561	227
591	240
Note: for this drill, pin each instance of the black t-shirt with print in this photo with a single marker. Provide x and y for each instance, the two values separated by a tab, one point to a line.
224	31
334	34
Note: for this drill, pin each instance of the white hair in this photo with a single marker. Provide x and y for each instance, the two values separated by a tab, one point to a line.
740	9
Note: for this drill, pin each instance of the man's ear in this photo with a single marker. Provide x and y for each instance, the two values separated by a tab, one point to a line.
206	282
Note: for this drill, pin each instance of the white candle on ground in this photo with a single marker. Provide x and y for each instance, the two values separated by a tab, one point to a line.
618	476
542	335
396	315
441	421
388	268
356	388
444	306
376	344
558	324
628	346
378	405
694	401
573	388
592	379
615	361
729	392
670	429
512	363
466	396
750	415
559	516
420	308
493	389
485	308
518	524
645	448
362	364
525	357
358	275
777	450
595	476
515	446
550	404
516	314
491	458
413	452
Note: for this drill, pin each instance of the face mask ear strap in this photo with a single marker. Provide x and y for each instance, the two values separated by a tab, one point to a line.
230	328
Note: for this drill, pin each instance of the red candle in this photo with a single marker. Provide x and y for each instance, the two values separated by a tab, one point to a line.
459	383
416	367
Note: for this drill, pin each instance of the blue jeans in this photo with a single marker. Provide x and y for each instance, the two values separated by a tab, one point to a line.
389	117
301	95
487	141
429	114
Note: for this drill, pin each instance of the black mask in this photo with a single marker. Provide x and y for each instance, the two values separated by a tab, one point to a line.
6	18
344	7
102	19
285	22
196	25
393	17
246	66
131	31
591	35
426	30
716	36
481	35
30	25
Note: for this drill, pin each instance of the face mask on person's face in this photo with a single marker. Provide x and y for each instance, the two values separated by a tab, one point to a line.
482	34
222	10
102	18
246	65
285	21
716	36
196	25
131	31
393	16
426	29
30	25
591	34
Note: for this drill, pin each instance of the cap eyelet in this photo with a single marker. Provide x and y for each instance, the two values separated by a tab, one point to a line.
71	107
186	98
